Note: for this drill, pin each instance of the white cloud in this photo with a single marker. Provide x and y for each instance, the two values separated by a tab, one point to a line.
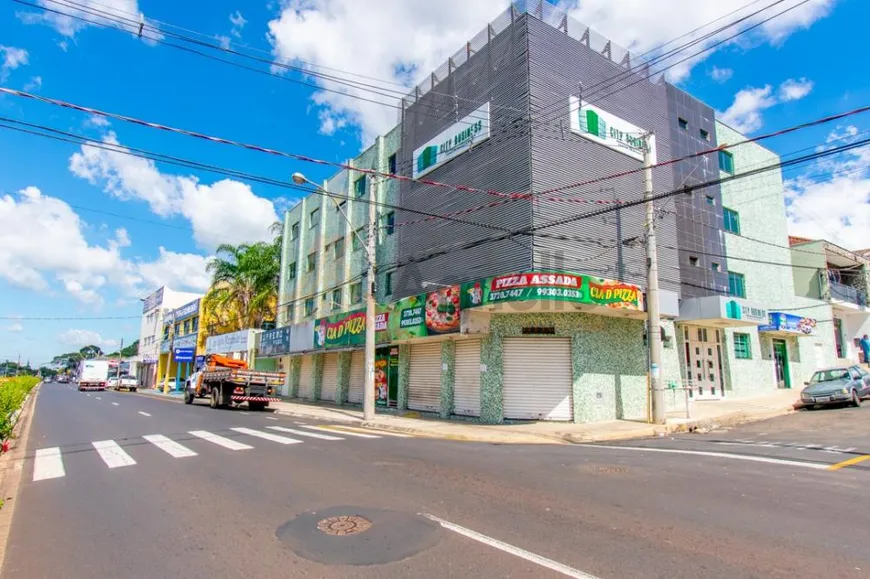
12	58
223	41
177	270
34	84
745	113
15	328
80	338
721	74
238	21
227	211
402	41
97	121
42	243
792	90
124	14
832	199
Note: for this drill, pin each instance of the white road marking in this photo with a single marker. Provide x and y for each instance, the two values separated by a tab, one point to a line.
334	429
297	422
98	398
220	440
86	393
244	413
813	465
112	454
48	464
368	430
510	549
266	436
271	418
115	404
303	433
169	446
144	413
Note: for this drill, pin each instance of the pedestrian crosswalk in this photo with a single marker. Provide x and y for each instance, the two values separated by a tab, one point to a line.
48	463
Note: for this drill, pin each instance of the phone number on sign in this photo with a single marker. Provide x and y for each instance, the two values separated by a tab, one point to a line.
557	292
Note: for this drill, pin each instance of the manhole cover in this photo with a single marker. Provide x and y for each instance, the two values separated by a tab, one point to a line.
343	525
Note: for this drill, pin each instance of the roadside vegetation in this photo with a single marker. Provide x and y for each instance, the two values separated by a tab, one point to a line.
13	391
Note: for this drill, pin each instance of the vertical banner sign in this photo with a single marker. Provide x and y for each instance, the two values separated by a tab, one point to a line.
452	142
595	124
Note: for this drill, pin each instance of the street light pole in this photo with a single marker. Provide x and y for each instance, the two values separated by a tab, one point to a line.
371	309
371	314
654	335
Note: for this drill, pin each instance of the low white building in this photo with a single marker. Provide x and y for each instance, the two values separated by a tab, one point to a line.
151	330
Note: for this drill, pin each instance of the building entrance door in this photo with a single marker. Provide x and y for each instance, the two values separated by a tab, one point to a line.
780	357
704	363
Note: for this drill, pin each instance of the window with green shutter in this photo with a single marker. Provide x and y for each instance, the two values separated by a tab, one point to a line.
736	284
359	187
726	162
732	220
742	347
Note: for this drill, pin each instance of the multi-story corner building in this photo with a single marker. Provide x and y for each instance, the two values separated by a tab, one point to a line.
182	340
824	271
527	301
154	308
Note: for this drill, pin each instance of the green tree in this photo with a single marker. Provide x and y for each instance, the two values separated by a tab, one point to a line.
245	282
90	352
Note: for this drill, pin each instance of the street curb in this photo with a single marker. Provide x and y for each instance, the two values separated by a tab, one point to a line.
12	467
732	419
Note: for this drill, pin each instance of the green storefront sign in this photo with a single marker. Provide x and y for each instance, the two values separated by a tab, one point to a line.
438	312
552	286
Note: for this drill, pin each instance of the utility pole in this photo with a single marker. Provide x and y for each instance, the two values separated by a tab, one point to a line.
18	366
654	332
369	388
118	369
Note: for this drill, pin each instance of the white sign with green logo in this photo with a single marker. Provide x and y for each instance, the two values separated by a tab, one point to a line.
452	142
595	124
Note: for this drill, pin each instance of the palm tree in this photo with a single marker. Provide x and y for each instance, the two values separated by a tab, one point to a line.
244	282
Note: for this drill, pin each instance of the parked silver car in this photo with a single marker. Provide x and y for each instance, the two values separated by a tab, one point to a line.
836	386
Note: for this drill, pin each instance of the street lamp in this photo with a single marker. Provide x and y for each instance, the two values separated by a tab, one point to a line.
369	388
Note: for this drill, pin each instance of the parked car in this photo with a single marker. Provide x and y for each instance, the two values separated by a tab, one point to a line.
124	381
836	386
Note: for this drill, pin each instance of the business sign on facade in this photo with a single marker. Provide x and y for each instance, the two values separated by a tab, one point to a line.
228	343
185	311
553	286
188	341
165	346
789	324
596	124
274	342
184	354
152	301
742	311
452	142
428	314
340	330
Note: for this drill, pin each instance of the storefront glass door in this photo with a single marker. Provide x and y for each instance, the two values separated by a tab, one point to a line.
780	357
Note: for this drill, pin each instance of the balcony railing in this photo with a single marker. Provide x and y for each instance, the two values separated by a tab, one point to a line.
847	293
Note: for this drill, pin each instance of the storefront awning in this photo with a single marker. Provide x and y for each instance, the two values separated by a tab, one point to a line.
722	312
786	325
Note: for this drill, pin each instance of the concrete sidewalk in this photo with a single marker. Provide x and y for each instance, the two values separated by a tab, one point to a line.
703	415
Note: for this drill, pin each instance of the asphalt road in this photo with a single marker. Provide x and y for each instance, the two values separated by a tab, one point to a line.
687	507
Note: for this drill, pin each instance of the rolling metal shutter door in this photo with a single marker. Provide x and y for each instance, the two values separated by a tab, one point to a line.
424	383
466	392
330	377
357	377
306	378
538	378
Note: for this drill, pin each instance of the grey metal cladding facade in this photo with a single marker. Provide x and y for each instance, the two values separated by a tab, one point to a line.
699	216
497	73
557	65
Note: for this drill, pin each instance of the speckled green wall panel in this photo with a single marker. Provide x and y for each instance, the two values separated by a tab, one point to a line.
491	398
448	377
404	376
317	370
608	364
343	377
295	375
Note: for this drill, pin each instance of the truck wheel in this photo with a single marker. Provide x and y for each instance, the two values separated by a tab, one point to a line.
256	406
226	395
213	403
188	397
133	389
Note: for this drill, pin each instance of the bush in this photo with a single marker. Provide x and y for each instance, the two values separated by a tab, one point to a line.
13	391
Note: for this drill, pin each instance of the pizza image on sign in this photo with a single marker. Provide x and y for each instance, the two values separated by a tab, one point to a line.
442	310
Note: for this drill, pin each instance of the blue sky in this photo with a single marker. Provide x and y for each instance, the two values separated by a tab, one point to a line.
87	234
